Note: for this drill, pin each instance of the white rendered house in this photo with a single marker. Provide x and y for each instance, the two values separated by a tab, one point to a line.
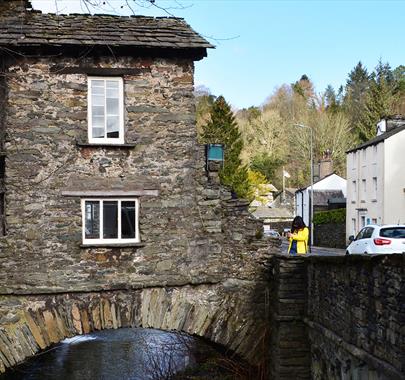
331	185
376	178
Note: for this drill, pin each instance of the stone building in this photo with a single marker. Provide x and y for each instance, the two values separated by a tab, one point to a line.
105	185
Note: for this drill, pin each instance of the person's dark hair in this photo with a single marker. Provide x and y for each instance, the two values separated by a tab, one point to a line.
297	224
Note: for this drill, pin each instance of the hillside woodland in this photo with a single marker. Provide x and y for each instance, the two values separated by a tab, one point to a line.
261	141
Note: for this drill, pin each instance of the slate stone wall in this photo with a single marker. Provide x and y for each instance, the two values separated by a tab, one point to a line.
190	233
356	317
331	235
289	347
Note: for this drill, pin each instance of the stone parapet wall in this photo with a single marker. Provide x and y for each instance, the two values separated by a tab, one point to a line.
331	235
289	349
356	316
232	313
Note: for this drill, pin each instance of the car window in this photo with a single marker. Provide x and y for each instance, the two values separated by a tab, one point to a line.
368	231
360	234
393	232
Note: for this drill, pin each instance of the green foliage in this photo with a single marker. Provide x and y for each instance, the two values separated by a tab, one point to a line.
223	129
337	216
258	187
379	101
267	139
266	165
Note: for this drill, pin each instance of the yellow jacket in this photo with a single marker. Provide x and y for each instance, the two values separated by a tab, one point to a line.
301	236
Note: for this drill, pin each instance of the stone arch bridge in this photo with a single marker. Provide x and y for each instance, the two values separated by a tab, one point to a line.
232	312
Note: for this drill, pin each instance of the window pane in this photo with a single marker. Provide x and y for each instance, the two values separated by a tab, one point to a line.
92	220
113	126
98	133
97	91
112	84
97	100
110	220
112	106
97	83
393	232
97	110
112	93
128	220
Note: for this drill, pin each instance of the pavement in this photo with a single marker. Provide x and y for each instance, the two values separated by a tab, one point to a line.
316	251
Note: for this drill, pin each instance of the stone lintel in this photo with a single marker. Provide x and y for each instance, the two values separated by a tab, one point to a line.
110	193
98	71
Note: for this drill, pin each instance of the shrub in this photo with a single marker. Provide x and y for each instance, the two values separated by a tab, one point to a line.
331	216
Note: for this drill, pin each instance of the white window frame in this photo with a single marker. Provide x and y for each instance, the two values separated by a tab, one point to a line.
118	240
106	140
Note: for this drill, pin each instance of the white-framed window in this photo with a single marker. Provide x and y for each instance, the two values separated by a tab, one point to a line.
375	188
105	110
354	189
110	221
364	189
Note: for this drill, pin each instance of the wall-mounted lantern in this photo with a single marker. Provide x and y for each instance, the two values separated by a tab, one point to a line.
215	156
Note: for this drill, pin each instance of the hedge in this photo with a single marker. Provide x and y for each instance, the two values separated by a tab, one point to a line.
330	216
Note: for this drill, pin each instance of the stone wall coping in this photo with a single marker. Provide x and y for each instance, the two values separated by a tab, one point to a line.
110	193
343	259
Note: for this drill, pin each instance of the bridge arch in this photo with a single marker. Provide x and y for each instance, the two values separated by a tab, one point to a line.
220	313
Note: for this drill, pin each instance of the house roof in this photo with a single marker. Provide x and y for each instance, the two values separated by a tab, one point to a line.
265	212
378	139
321	197
33	28
306	187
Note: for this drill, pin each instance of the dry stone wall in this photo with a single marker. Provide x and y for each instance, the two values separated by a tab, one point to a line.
356	317
184	230
201	266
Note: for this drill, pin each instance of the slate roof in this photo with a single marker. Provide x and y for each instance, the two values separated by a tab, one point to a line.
264	212
321	197
30	28
379	138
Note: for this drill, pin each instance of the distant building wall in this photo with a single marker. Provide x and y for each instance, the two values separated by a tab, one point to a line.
365	188
394	178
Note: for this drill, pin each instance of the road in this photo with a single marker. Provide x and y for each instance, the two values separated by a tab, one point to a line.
316	251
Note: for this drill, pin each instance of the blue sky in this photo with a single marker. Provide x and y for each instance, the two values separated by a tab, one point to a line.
261	44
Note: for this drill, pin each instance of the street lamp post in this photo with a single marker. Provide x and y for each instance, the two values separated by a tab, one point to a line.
311	218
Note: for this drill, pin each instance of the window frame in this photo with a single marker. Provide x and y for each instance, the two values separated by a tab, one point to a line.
119	239
106	140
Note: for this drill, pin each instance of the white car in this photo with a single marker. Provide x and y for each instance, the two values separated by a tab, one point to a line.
378	239
271	233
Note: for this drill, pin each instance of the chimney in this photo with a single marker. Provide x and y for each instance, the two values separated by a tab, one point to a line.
389	123
14	7
325	164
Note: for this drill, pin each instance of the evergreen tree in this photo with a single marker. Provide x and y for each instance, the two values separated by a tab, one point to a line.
354	100
332	99
223	129
379	101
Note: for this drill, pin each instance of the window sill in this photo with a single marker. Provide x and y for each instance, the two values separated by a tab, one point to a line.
83	144
118	245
